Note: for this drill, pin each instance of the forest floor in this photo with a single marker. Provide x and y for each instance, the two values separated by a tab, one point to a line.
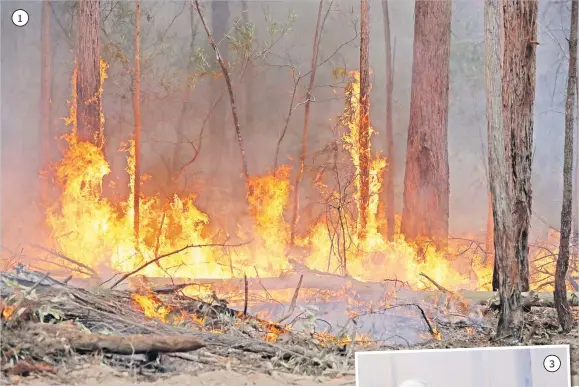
55	334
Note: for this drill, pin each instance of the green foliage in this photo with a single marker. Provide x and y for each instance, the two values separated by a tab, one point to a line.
242	39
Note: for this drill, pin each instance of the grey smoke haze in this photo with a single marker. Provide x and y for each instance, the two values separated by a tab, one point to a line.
166	40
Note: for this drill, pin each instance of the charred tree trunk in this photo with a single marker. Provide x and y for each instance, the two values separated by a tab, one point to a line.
303	153
88	113
364	137
560	294
426	180
45	92
520	40
511	313
137	112
390	172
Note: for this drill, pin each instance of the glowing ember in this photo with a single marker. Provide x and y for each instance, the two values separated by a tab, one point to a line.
7	311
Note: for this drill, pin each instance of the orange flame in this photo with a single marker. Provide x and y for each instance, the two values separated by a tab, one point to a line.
98	233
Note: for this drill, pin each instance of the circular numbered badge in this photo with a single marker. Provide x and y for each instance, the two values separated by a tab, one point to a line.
20	18
552	363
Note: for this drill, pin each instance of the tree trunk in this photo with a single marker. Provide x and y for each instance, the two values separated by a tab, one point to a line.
576	189
45	93
520	40
390	172
560	294
511	314
89	127
303	153
137	111
489	243
426	180
364	137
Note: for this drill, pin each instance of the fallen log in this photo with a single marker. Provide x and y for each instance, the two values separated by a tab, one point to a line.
124	345
334	283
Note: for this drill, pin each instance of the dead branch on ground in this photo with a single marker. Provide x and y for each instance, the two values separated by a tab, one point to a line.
124	345
138	269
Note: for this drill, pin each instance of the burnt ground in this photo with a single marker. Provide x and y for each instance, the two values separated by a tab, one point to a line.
45	336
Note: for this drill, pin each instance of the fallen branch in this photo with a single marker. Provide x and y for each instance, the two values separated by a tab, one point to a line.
25	368
70	260
125	345
438	286
138	269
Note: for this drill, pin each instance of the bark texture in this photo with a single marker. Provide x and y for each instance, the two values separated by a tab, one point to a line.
45	92
511	314
426	180
137	113
89	76
364	137
560	295
519	65
303	152
390	171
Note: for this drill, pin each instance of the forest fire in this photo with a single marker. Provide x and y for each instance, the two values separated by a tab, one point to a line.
218	200
99	233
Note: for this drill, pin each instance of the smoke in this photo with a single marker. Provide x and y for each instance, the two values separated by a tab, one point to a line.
171	98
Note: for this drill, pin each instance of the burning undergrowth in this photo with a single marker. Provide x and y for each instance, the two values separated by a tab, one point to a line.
180	285
93	230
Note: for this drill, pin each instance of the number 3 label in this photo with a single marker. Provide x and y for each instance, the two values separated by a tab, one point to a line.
20	18
552	363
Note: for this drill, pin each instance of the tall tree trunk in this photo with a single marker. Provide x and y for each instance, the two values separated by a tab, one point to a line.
426	180
89	76
576	188
303	153
520	40
45	92
511	313
390	172
364	137
137	111
560	294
